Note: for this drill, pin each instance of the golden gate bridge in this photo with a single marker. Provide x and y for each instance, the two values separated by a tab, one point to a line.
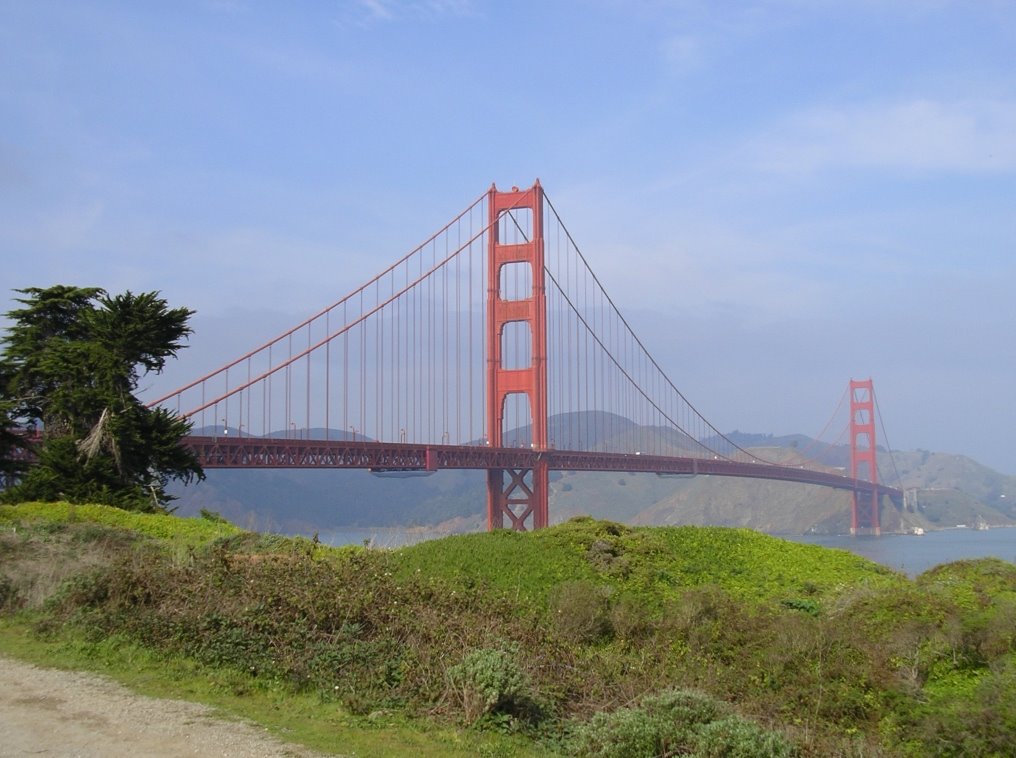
490	346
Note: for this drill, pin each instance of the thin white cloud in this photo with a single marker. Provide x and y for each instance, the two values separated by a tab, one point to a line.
379	11
61	229
682	53
917	134
450	7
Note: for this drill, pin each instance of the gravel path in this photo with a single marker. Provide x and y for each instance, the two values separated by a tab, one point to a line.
47	712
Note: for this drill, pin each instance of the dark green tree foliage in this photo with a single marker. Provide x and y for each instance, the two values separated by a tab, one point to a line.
70	364
13	446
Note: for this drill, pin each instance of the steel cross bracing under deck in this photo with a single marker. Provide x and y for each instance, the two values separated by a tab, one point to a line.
253	452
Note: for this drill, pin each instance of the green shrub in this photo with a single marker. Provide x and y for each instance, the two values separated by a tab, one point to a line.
627	733
580	611
488	681
805	605
975	721
10	599
629	619
662	724
676	722
734	737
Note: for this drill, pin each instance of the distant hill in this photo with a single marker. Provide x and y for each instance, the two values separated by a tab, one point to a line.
951	489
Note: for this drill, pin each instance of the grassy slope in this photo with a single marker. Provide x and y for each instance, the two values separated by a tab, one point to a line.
296	717
175	531
718	608
656	564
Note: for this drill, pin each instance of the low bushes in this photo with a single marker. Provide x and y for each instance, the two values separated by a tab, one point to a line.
676	722
490	682
597	639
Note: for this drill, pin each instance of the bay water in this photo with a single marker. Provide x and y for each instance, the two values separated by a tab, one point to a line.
915	554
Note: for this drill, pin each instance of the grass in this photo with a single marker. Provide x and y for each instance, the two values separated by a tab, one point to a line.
973	584
47	544
293	717
656	564
178	532
509	644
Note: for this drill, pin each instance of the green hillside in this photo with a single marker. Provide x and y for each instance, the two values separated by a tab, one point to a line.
656	565
589	638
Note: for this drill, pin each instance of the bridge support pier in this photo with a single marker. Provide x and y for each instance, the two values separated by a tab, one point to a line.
863	516
522	500
865	513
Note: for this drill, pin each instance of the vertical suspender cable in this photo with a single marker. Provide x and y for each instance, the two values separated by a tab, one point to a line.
328	378
458	338
307	416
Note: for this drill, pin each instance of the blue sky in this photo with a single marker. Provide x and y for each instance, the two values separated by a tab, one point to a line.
781	195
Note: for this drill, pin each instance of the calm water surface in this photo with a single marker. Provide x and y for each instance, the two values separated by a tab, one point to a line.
914	555
383	537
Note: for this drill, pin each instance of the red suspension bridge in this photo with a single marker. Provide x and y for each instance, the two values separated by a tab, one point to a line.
490	346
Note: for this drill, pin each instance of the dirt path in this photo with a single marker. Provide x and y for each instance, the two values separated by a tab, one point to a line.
47	712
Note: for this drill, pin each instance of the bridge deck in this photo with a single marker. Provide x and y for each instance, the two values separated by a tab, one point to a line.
258	452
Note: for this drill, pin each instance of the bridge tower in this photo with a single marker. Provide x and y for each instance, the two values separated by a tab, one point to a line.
862	456
519	496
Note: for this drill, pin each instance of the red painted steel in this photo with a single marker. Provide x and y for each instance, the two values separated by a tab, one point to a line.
405	313
522	498
862	456
229	451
